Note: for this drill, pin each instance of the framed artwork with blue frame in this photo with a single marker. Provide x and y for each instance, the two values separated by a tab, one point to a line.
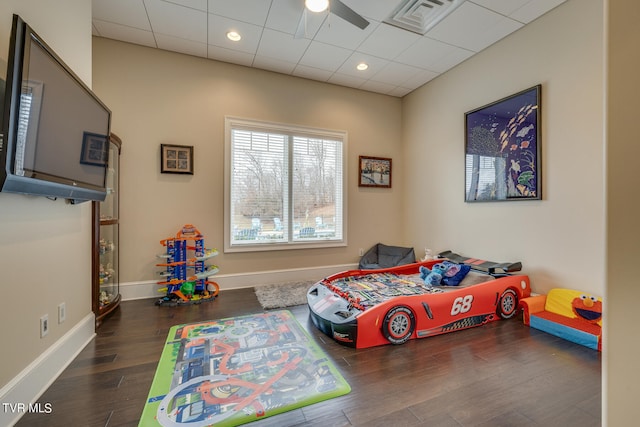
502	149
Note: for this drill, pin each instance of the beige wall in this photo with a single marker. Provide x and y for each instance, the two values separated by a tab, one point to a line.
45	246
621	379
560	240
161	97
565	240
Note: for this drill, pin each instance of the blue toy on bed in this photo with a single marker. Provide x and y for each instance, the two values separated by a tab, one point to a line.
445	273
433	277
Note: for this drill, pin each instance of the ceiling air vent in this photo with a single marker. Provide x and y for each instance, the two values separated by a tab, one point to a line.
420	16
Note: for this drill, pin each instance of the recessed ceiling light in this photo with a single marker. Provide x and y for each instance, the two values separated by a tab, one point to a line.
234	36
317	5
362	66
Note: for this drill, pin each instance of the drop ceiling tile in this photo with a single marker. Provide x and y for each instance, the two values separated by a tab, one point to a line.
420	79
284	16
304	24
400	91
338	32
193	4
230	55
126	33
324	56
395	74
219	26
503	7
274	64
450	60
378	10
472	27
534	9
251	11
187	47
497	32
129	13
387	41
375	65
427	52
378	87
282	46
177	21
312	73
346	80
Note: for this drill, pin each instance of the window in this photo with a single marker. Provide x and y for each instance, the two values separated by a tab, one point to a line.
284	188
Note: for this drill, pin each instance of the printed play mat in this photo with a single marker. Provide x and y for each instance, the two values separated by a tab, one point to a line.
237	370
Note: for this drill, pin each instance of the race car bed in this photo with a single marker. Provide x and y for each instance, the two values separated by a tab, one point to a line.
366	308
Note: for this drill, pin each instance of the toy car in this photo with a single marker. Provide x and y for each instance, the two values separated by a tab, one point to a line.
366	308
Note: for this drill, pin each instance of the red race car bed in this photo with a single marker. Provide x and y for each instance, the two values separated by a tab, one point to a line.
366	308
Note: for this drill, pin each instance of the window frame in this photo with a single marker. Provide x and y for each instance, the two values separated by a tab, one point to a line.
231	123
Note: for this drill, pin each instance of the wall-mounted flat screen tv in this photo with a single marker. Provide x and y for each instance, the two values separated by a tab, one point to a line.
55	130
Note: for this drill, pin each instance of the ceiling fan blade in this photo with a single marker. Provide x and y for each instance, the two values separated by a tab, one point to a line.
346	13
301	30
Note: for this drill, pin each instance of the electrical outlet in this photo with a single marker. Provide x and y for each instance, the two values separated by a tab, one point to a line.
44	325
62	312
360	252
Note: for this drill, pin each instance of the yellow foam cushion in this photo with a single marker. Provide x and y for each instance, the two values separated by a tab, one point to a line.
575	304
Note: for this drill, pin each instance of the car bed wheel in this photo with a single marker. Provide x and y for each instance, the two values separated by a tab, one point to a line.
508	304
398	325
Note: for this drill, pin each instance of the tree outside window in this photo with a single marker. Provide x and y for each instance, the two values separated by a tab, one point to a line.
285	186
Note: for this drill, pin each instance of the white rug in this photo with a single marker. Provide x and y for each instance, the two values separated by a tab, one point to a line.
283	294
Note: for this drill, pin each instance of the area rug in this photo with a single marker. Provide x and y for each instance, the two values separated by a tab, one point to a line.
237	370
283	294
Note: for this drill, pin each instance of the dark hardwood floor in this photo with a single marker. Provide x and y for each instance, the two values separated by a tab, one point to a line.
500	374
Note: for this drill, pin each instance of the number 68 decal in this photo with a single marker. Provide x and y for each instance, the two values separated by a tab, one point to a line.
461	305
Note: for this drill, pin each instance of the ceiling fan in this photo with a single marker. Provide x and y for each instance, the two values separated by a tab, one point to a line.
337	7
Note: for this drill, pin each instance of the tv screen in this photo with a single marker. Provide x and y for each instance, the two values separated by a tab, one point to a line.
55	128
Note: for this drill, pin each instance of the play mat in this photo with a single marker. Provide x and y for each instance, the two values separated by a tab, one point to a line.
234	371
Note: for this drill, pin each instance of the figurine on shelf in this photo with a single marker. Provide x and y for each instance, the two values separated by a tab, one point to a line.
104	298
102	275
106	246
105	274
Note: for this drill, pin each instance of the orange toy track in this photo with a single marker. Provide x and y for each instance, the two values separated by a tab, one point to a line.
176	266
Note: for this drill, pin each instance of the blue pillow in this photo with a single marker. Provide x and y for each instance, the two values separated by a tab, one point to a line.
455	274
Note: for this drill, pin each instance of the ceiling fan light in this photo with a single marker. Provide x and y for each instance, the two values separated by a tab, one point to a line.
317	5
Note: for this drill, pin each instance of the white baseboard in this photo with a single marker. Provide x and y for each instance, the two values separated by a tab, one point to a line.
149	288
25	389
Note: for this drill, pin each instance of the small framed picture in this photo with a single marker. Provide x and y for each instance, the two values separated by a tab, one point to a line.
176	159
374	172
95	149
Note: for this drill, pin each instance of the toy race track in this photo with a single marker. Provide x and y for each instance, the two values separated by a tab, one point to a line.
186	275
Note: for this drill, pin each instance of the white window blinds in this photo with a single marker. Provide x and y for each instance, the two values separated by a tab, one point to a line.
286	186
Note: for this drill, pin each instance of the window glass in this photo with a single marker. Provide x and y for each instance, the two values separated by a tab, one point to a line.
285	186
